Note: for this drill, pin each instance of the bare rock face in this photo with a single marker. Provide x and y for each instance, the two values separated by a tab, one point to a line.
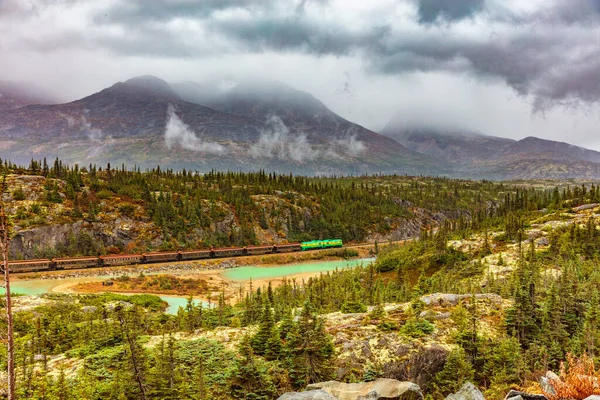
467	392
517	395
309	395
453	299
388	389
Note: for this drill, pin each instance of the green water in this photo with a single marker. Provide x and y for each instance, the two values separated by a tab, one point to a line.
40	286
176	302
247	273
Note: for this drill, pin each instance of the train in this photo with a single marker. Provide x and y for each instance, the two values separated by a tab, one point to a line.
40	265
321	244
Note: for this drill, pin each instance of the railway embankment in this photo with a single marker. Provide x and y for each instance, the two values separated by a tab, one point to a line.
186	267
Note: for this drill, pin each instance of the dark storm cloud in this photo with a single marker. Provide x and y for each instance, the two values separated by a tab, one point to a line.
165	10
292	33
550	53
451	10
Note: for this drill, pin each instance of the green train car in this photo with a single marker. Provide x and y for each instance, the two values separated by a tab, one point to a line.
321	244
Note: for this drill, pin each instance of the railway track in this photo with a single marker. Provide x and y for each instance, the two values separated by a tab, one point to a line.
72	263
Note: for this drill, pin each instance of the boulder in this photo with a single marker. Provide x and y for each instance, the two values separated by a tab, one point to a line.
593	397
467	392
309	395
585	207
388	389
547	383
516	395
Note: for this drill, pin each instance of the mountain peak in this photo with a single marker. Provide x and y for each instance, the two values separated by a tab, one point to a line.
153	85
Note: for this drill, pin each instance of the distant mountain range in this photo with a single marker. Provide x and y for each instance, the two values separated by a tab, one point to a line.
146	121
475	155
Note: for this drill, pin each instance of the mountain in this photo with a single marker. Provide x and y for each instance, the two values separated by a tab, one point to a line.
146	122
457	146
476	155
18	94
301	118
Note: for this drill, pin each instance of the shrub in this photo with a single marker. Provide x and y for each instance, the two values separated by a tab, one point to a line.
353	306
35	208
127	210
417	327
18	194
104	194
577	379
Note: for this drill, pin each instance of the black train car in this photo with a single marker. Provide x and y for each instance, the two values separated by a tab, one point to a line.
228	252
121	259
29	265
195	254
287	248
75	263
253	250
160	257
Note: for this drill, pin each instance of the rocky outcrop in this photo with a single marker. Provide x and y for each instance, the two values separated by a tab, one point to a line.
309	395
517	395
467	392
388	389
453	299
585	207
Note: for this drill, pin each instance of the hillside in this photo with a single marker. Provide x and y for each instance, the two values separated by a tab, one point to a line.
144	122
18	94
477	156
80	211
501	300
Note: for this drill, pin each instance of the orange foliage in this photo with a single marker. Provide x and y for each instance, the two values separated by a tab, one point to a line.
577	382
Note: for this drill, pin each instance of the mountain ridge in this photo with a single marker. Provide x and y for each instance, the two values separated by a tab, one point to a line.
144	121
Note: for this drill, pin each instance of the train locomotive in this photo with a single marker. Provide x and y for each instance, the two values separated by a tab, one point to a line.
40	265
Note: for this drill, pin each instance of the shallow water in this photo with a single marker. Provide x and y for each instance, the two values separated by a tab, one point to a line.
240	274
247	273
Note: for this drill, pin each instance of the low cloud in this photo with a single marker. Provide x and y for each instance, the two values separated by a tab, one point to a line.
80	123
178	133
351	145
276	141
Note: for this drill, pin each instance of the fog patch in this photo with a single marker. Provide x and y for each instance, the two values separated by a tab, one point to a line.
351	145
178	133
276	141
81	124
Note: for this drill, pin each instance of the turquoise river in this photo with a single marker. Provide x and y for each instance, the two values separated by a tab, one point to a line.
239	274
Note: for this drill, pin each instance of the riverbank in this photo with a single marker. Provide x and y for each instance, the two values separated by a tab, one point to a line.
209	285
187	267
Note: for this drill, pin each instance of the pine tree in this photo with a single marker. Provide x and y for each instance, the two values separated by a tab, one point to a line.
247	379
265	330
308	350
457	370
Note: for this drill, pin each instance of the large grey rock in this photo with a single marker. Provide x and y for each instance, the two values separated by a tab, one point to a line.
516	395
547	383
309	395
388	389
585	207
467	392
593	397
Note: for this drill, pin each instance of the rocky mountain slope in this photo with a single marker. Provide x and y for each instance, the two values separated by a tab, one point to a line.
144	122
18	94
476	155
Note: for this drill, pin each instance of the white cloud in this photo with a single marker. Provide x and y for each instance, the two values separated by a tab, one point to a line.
177	133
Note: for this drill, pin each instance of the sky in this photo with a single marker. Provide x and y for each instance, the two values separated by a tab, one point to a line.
509	68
